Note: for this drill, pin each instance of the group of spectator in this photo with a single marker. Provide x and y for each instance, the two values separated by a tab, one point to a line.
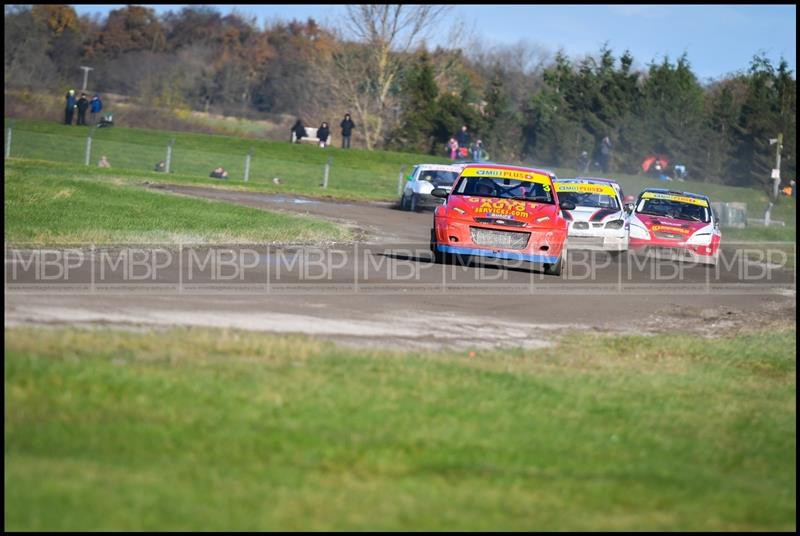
324	132
603	157
82	104
459	146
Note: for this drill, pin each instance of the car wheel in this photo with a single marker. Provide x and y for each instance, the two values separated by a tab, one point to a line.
404	202
556	267
414	206
440	257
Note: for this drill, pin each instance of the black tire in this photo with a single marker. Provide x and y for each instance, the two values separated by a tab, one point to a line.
414	205
404	202
713	263
440	257
556	267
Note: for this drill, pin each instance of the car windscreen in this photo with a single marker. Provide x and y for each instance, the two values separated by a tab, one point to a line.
438	178
502	188
589	200
673	209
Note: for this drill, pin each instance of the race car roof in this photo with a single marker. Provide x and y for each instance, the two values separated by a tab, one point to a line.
511	167
441	167
674	192
590	180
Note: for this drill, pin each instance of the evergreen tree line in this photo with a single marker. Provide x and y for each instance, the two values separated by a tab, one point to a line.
197	58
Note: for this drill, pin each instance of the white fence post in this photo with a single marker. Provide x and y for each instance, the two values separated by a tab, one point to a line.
247	164
400	181
169	154
89	147
327	171
8	141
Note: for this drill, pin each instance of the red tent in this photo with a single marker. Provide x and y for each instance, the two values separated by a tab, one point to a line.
650	160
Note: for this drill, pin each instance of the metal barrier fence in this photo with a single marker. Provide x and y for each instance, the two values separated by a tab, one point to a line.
253	166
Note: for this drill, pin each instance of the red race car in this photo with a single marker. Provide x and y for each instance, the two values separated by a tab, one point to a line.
675	225
502	212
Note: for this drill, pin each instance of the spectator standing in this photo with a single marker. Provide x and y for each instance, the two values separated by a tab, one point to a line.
83	105
70	107
477	150
452	146
299	131
463	137
323	133
104	162
96	107
347	129
605	153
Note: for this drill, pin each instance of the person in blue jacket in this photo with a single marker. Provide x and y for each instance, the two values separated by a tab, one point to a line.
70	107
96	107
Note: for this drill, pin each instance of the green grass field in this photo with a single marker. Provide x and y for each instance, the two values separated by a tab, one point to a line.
354	173
47	203
193	429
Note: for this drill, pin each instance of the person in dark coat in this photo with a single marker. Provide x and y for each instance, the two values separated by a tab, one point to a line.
96	107
299	131
347	130
83	105
463	138
70	107
323	133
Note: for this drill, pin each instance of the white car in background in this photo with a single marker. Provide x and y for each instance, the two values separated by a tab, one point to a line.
421	182
599	218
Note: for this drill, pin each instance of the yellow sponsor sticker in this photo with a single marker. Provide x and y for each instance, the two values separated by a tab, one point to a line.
674	197
503	207
491	173
585	188
670	229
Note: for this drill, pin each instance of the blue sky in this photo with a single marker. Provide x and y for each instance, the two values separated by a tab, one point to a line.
719	39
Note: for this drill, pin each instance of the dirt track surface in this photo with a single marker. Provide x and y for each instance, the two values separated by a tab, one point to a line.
385	291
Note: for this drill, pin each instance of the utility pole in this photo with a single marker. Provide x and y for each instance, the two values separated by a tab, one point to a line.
86	75
776	177
776	173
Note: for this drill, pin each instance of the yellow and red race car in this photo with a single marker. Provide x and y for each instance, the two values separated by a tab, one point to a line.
502	212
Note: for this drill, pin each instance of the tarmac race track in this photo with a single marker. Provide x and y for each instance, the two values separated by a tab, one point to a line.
384	290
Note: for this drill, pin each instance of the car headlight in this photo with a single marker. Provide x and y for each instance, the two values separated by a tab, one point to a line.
700	239
542	219
459	211
639	232
616	224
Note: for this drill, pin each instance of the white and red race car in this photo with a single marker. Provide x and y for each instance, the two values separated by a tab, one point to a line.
598	220
675	225
422	180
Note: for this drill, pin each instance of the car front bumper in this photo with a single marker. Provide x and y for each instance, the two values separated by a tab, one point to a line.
543	245
600	240
674	250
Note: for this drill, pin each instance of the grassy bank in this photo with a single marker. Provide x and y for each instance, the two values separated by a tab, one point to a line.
353	174
48	203
212	430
